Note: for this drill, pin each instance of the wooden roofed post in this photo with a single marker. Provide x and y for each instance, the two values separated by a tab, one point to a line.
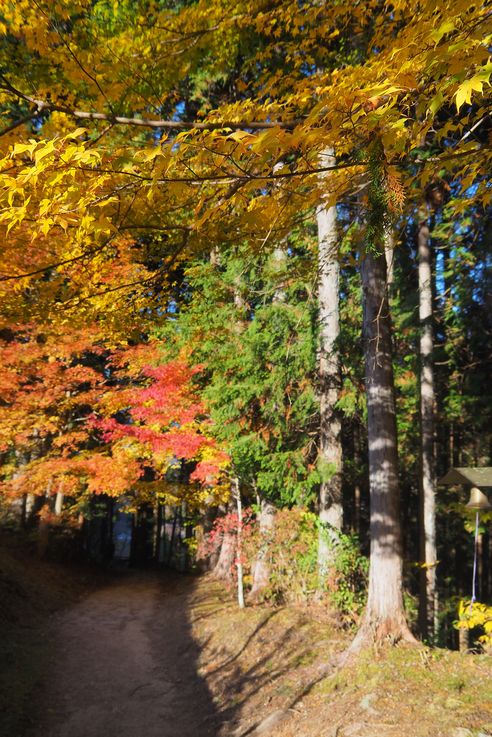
473	477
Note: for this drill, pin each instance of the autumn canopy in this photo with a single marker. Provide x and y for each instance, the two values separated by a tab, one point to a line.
177	181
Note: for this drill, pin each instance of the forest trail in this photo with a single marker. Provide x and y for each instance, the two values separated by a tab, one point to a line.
156	654
125	665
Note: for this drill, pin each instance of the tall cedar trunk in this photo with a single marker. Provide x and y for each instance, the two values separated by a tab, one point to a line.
384	616
261	569
428	553
330	495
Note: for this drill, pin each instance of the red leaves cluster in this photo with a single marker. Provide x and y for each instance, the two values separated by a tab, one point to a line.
227	526
164	415
42	387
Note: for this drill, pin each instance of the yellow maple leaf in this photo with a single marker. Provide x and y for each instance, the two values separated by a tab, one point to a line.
464	92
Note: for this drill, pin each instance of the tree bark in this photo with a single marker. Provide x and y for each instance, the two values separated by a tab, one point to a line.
44	522
428	552
261	570
330	495
207	559
384	617
358	463
225	562
59	496
389	254
278	258
157	531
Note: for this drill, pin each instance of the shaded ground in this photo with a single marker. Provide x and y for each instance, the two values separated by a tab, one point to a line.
31	590
126	665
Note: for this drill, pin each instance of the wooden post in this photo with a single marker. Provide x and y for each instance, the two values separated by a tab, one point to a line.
239	565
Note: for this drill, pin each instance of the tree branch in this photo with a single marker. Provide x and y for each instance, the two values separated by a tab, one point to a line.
44	269
45	106
17	123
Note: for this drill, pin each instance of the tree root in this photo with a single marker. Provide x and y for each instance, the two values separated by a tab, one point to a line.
375	634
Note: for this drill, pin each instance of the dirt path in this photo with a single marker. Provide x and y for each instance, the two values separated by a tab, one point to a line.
126	665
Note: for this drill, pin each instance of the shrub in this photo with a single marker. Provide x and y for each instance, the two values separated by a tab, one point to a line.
473	616
291	551
292	554
226	525
347	581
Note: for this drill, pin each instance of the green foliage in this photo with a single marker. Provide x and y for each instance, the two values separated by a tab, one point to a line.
250	325
377	208
291	552
346	582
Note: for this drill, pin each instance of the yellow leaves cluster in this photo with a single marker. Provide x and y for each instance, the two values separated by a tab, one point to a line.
474	615
76	191
463	94
47	188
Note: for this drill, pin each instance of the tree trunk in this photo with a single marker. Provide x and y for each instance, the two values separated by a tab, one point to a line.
44	522
170	550
224	566
207	558
330	495
463	640
428	553
389	254
384	616
278	258
156	551
59	496
358	463
261	571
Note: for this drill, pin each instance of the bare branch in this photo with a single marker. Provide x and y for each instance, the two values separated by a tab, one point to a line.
17	123
45	106
44	269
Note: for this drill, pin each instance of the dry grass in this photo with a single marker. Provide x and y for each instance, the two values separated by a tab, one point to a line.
264	662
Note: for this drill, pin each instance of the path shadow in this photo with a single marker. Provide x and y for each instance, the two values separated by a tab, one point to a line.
176	654
126	665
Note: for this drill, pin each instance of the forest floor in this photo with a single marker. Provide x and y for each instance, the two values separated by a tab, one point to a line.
153	654
271	672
